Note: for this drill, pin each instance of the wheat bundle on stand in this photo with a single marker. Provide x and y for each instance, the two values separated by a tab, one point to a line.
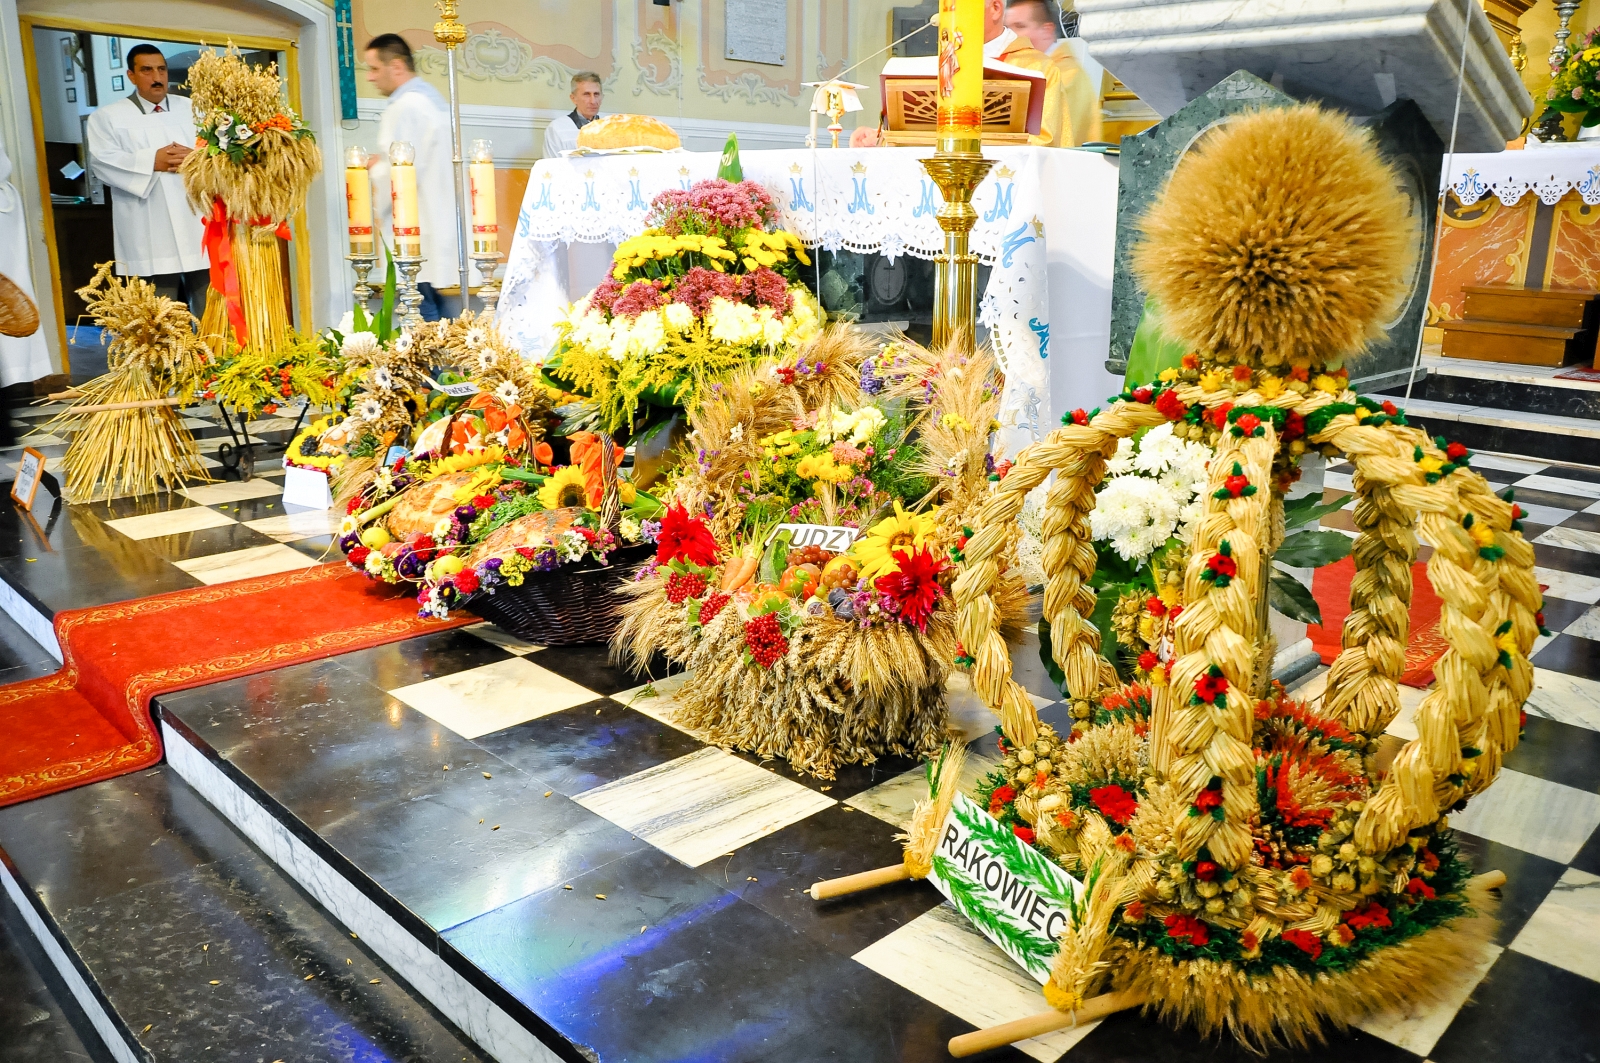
155	360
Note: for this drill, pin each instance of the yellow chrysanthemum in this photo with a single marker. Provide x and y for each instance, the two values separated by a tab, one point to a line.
565	488
1270	387
874	551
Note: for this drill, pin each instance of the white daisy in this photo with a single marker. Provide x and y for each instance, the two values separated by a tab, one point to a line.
403	343
487	359
476	337
507	393
382	379
368	409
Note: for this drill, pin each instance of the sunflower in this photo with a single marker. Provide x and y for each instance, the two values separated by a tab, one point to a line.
903	531
565	488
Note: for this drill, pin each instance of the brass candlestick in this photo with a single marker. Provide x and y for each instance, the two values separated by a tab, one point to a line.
449	32
958	167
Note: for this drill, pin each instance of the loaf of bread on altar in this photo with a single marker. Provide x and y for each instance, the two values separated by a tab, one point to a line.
627	131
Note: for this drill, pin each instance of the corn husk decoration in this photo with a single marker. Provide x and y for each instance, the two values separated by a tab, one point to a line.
1261	865
154	357
249	174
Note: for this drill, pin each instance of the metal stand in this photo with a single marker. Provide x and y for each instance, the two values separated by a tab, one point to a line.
449	32
955	287
487	262
410	295
363	265
1550	130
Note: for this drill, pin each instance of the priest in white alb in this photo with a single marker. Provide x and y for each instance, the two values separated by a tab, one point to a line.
136	146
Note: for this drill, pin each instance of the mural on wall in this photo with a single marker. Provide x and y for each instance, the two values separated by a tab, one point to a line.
1486	243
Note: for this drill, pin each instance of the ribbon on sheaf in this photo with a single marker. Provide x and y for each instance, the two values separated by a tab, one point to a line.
224	275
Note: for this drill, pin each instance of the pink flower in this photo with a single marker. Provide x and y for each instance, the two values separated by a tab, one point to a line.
696	288
638	297
770	289
713	206
1577	94
605	293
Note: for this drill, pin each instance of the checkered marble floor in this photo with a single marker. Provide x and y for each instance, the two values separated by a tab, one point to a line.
641	865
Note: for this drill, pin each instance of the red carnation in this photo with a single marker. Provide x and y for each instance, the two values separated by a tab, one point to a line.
466	580
1208	800
1249	422
1148	661
1235	485
1025	833
1455	451
1187	928
1142	394
353	506
1210	688
1170	406
915	588
686	537
358	555
1205	870
1418	888
526	552
1305	941
1223	565
1241	372
1155	606
1115	803
1003	795
482	503
1390	408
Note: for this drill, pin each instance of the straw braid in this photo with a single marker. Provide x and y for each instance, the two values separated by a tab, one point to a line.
1078	453
1201	741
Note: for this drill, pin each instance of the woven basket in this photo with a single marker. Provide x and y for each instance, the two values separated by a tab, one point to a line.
573	603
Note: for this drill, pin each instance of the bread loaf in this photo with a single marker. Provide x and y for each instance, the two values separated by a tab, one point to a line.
627	131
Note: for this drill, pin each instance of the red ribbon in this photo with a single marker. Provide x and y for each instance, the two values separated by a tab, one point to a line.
224	276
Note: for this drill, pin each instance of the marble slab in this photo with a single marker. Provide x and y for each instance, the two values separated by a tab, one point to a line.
1565	931
703	805
492	697
212	494
242	564
296	524
1571	586
170	522
1553	481
1532	814
942	957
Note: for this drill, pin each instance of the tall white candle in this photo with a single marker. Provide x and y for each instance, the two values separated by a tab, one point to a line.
358	200
403	197
485	226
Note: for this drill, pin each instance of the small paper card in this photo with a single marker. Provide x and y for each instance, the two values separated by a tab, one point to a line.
832	539
396	452
1007	888
455	391
29	470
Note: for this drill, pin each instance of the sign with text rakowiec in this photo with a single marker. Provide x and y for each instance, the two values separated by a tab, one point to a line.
1009	890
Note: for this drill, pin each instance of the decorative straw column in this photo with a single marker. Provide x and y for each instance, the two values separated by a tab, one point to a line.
958	167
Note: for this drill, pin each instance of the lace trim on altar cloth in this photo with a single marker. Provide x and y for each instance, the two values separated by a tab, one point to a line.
1549	183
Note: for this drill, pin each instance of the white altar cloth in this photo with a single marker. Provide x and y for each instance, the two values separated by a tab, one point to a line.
1046	226
1549	171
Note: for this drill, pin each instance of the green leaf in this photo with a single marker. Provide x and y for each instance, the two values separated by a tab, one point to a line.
360	319
1292	598
1298	512
730	169
1047	657
1153	349
1101	618
1313	549
386	311
1110	568
776	557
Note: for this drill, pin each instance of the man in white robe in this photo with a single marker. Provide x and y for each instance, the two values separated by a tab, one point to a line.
562	133
418	114
136	146
22	358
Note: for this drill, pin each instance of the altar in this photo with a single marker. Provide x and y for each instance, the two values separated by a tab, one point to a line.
1046	229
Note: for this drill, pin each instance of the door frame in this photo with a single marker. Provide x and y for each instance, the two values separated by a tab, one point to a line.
288	48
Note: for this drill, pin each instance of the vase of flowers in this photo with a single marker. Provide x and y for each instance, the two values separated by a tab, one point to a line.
1575	88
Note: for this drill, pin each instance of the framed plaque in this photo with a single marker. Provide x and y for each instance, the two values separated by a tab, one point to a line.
29	470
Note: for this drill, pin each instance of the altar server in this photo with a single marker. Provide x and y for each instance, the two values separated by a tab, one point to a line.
562	133
416	113
136	146
24	356
1037	21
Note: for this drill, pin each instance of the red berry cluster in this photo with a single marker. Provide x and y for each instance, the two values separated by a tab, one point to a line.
763	636
712	606
681	585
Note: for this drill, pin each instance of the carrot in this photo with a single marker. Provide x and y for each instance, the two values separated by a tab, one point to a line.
737	573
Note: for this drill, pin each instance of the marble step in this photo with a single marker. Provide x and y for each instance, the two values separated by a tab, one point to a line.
1553	437
40	1022
181	942
1526	388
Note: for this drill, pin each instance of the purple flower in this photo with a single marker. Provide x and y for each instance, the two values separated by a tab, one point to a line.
467	514
871	382
649	530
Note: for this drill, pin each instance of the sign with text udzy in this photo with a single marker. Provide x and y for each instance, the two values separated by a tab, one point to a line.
1018	897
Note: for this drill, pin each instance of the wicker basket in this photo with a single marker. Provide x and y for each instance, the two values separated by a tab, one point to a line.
567	606
572	604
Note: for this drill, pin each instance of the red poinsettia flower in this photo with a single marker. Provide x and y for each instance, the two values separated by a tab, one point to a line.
1187	928
1210	687
1148	661
915	588
1170	406
686	537
1024	833
1115	803
1305	941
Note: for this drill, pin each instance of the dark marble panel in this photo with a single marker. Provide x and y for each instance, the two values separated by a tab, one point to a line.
1559	752
850	780
1568	653
1528	880
400	664
1582	522
318	547
1525	1011
1522	442
1536	497
1579	561
1574	472
84	846
589	745
1128	1037
590	666
1501	395
206	542
39	1020
230	962
1558	612
776	873
28	534
255	508
670	967
76	579
1588	858
473	844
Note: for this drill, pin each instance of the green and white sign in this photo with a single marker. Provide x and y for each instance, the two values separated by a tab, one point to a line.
1015	895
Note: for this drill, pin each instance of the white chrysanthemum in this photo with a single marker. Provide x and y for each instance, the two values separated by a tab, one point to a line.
382	379
678	316
579	309
592	332
359	345
649	333
1136	514
736	433
1188	516
770	327
1158	448
441	529
403	343
629	529
1121	463
508	394
368	410
616	344
733	323
347	324
476	337
1191	463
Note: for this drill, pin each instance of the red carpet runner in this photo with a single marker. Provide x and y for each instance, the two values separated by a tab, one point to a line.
91	720
1330	585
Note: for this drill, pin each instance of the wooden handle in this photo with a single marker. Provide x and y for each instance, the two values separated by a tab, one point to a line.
866	880
1489	880
58	396
140	404
1093	1010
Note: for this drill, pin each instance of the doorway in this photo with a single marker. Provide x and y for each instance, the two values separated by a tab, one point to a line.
76	67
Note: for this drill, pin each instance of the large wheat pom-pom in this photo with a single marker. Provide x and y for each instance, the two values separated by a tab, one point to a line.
1282	233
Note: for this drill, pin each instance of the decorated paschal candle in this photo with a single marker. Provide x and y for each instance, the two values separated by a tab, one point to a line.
358	200
480	172
960	119
403	196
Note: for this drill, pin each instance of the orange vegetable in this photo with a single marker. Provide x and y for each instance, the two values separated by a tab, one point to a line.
736	573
